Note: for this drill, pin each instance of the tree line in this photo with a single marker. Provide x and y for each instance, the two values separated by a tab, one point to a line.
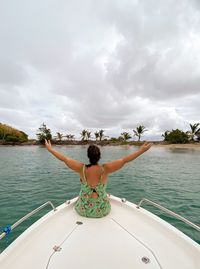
173	136
85	135
10	134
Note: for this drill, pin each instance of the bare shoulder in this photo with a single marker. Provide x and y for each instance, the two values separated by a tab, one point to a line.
113	166
75	165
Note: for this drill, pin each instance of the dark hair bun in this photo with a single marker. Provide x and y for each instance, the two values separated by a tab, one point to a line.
93	154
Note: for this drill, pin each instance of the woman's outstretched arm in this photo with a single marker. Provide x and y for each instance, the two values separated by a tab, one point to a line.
118	164
73	164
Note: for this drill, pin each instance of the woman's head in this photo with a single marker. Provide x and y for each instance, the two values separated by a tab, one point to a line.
93	154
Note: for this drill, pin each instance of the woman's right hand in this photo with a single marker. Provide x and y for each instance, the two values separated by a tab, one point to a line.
48	144
146	146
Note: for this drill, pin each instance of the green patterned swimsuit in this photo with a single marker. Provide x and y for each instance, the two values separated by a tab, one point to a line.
88	206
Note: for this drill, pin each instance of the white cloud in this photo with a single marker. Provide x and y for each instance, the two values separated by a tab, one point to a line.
100	65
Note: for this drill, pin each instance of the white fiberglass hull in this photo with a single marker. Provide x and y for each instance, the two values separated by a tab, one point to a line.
126	238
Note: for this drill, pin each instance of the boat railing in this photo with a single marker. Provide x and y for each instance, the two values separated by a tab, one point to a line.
169	212
8	228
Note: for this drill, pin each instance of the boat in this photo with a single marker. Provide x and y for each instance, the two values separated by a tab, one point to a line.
129	237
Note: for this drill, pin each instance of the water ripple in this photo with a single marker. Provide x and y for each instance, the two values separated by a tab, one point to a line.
30	176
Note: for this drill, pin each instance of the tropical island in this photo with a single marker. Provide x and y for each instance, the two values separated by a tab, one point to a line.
13	136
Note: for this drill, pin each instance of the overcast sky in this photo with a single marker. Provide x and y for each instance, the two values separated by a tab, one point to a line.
94	65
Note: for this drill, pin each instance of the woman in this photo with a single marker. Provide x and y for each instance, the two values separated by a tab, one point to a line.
93	201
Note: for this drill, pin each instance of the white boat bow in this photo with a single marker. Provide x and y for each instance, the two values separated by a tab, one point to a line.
129	237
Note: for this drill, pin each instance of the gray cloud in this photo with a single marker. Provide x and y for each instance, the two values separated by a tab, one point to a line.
99	64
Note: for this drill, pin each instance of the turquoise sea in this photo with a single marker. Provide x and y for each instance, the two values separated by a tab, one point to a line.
30	176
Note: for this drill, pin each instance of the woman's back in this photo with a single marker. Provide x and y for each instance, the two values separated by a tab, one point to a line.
93	174
93	201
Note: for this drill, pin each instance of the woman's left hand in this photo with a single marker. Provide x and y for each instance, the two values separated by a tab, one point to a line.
146	146
48	144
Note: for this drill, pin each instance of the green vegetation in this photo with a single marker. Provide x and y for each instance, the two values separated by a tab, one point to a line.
83	135
59	136
176	136
139	131
44	133
88	135
165	135
194	132
10	134
125	136
96	134
69	137
101	135
114	139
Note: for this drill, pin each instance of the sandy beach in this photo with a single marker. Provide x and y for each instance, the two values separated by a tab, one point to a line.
195	146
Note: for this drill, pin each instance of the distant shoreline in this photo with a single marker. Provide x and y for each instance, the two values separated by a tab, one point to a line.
180	146
32	142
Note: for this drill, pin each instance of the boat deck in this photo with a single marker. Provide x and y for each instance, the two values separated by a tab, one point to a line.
126	238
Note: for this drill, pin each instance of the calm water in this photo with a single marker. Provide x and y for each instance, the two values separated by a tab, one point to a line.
30	175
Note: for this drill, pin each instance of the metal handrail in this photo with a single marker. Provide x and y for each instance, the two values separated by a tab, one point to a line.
27	216
170	213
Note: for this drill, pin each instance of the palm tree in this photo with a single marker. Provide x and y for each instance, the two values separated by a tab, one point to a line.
84	135
165	135
139	131
195	131
198	136
125	136
88	135
59	136
101	135
72	137
96	135
69	137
